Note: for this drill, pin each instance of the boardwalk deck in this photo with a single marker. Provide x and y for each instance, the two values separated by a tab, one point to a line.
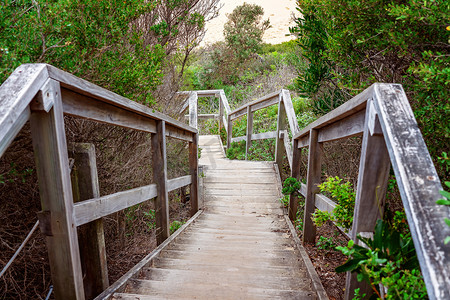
240	247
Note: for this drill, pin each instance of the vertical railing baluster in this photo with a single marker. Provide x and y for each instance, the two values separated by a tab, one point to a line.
55	189
193	170
373	177
91	236
249	131
295	173
281	125
312	180
159	158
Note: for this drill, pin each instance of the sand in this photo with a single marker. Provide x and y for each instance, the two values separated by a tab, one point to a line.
279	12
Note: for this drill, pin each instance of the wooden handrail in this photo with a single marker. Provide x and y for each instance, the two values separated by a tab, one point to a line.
43	94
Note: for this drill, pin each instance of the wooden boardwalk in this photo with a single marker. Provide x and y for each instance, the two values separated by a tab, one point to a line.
240	247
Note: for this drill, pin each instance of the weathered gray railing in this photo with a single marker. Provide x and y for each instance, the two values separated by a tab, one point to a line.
43	94
383	116
192	104
281	98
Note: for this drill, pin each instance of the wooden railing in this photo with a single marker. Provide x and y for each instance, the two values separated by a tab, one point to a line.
383	116
43	94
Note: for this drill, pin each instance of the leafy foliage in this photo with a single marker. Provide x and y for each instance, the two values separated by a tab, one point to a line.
344	195
348	45
389	259
244	30
325	243
446	201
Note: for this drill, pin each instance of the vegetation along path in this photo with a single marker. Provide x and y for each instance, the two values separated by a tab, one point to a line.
239	248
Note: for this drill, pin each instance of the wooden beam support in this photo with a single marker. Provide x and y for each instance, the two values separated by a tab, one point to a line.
91	235
55	189
312	180
281	125
295	173
264	135
193	170
220	115
159	159
193	112
229	131
350	126
371	192
249	131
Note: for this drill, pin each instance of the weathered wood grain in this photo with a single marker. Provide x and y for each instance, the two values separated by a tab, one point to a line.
55	190
260	103
281	125
193	170
176	183
16	93
264	135
290	113
248	140
350	126
419	186
159	159
350	107
91	236
312	180
193	111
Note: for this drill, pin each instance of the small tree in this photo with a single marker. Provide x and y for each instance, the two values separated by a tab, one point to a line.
244	30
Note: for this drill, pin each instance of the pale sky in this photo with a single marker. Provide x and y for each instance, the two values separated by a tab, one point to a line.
279	12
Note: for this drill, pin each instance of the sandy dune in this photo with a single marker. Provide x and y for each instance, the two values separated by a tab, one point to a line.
278	11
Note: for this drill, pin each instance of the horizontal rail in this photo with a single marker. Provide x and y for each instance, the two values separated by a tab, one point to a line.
260	103
93	209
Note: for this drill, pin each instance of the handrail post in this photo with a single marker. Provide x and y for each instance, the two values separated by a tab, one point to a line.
295	173
281	125
159	159
229	131
220	115
193	111
91	236
373	176
249	131
55	189
193	169
312	180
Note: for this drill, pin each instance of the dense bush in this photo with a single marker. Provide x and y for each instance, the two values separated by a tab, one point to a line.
351	44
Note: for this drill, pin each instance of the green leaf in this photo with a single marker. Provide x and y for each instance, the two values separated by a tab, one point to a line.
349	265
447	240
443	202
447	221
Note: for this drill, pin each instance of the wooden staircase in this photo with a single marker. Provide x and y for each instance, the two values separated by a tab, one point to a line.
240	247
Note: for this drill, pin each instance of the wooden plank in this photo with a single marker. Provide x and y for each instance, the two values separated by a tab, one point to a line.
224	100
193	170
229	131
419	187
249	131
290	112
281	125
287	146
312	180
370	193
303	141
159	160
176	183
89	210
350	126
302	189
10	131
264	135
16	93
324	203
82	106
295	173
205	116
350	107
268	102
193	112
55	190
122	281
260	103
86	88
91	236
220	116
